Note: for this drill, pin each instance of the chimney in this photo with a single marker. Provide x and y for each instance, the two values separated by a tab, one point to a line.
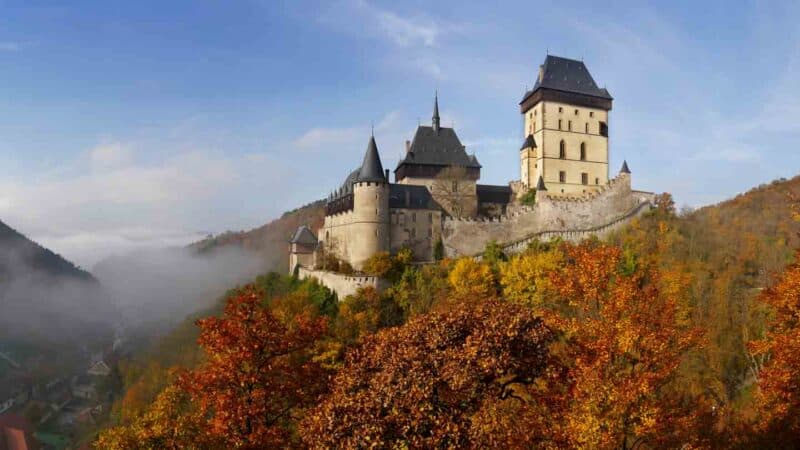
541	72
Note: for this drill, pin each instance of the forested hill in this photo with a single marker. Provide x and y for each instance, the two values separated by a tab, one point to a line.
19	252
271	240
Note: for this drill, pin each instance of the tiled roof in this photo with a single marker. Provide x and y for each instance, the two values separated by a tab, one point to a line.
303	236
442	148
411	196
568	75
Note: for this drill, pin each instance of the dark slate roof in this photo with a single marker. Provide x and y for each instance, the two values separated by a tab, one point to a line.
540	184
529	142
493	194
371	168
304	236
624	168
439	149
567	75
411	196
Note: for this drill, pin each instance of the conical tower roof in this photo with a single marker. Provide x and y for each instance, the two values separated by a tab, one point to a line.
624	168
371	168
540	184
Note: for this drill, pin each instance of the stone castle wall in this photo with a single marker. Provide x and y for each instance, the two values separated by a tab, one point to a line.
343	285
553	214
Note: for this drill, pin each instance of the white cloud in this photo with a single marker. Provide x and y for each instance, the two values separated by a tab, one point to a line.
344	138
110	203
110	155
10	46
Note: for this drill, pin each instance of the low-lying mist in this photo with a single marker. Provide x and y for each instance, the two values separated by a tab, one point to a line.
162	287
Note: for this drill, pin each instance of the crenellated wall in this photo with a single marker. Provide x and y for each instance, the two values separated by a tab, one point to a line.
343	285
553	214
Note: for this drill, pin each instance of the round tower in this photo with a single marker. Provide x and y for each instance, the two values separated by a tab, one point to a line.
370	226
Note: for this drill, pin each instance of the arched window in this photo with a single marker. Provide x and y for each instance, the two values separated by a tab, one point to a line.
583	151
562	150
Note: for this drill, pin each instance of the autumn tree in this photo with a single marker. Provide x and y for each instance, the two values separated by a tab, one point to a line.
470	279
779	351
258	374
439	381
171	422
623	343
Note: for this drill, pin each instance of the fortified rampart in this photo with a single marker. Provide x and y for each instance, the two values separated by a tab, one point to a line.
343	285
569	217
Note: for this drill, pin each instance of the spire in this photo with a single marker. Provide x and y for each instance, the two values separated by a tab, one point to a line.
540	184
624	168
436	112
371	168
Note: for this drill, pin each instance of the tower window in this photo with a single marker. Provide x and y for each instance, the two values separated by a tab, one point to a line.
560	109
583	151
591	113
586	130
584	178
597	181
576	112
562	150
562	177
569	125
603	129
559	124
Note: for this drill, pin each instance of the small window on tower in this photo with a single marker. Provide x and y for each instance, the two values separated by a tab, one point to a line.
583	151
584	178
586	130
591	113
559	124
562	150
562	177
597	181
576	112
560	109
569	125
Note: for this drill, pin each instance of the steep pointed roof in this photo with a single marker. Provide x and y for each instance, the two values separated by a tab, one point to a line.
624	168
371	168
436	120
540	184
304	236
529	142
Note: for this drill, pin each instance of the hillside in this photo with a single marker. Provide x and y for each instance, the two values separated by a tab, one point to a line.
269	241
49	308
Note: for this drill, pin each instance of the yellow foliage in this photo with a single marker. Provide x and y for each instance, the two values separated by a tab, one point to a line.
471	279
525	278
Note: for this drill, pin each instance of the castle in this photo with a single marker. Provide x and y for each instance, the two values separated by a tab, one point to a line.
564	187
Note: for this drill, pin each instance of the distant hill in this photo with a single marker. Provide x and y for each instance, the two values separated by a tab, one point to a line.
269	241
46	299
16	250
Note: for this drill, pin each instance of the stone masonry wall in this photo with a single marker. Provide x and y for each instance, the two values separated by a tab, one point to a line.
591	213
343	285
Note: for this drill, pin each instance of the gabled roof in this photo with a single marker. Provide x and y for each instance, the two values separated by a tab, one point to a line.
529	142
303	236
568	75
371	167
442	148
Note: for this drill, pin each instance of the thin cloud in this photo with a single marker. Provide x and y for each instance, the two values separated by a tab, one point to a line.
10	46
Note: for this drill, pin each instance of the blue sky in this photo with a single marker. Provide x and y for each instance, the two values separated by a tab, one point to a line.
142	124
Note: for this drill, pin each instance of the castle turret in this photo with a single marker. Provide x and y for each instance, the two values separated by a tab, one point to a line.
370	208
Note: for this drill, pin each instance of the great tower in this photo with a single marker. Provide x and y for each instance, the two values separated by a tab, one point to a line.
565	120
